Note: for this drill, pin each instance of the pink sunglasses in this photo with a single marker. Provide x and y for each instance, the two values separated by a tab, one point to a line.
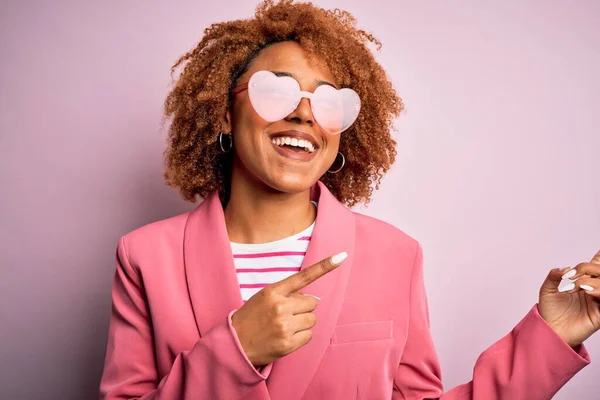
274	97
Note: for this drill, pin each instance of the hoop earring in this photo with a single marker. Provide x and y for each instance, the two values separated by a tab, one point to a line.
221	134
340	168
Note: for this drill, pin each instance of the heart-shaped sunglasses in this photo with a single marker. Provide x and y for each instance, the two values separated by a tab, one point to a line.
274	97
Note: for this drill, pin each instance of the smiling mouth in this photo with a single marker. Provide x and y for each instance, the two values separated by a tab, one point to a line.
294	144
296	150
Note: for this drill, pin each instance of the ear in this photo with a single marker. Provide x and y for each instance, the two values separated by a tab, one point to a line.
226	123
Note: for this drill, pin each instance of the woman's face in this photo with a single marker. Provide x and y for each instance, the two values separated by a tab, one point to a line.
284	168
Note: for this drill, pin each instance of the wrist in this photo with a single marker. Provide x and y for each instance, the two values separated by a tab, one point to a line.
240	338
567	339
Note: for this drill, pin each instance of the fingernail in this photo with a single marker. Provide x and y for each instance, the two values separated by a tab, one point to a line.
566	288
338	258
587	288
570	274
316	297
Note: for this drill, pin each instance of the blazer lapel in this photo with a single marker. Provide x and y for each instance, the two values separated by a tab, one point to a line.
210	272
334	232
214	287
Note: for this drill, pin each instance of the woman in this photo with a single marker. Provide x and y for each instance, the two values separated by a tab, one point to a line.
272	288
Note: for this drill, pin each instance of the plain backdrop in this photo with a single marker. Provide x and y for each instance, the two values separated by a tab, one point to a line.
497	174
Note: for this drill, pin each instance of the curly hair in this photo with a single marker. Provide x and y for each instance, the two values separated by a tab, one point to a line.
200	97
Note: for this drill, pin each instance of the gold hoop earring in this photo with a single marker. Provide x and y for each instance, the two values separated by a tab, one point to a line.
221	134
340	168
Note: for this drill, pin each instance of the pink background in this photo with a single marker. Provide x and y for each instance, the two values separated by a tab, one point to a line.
498	173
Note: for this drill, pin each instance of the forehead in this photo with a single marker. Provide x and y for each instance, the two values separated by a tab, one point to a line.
291	57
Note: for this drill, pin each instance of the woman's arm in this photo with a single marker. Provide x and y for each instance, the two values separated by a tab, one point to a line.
531	362
214	368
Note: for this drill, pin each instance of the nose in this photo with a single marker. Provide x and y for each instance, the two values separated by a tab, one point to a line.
302	113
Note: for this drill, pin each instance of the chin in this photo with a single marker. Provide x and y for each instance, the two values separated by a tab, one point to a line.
290	183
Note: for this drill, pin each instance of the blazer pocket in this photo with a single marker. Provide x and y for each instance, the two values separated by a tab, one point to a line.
362	332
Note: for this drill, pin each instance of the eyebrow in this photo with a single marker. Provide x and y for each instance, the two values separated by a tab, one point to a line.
319	82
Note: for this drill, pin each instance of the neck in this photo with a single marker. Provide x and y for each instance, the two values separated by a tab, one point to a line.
258	214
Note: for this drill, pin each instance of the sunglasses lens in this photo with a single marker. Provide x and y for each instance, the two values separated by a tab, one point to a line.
271	96
335	110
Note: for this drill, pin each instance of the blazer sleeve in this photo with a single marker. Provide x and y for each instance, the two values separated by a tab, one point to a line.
215	368
531	362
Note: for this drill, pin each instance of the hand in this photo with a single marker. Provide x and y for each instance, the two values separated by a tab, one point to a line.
574	314
277	320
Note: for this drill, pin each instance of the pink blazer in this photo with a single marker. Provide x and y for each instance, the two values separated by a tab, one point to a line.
175	289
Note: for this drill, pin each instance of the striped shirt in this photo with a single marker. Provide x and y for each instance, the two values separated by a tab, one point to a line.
261	264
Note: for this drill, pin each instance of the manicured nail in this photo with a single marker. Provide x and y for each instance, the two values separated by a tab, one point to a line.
566	288
316	297
338	258
570	274
587	288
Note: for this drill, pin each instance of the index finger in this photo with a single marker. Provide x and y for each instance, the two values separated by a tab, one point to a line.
308	275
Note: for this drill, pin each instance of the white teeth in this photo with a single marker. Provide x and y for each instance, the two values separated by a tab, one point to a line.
280	141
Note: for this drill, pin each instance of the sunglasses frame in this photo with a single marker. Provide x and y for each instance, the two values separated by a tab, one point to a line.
303	94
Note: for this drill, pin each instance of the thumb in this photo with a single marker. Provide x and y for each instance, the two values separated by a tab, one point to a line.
554	278
556	274
596	258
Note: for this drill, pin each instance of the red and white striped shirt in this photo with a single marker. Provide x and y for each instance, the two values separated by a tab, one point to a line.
261	264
